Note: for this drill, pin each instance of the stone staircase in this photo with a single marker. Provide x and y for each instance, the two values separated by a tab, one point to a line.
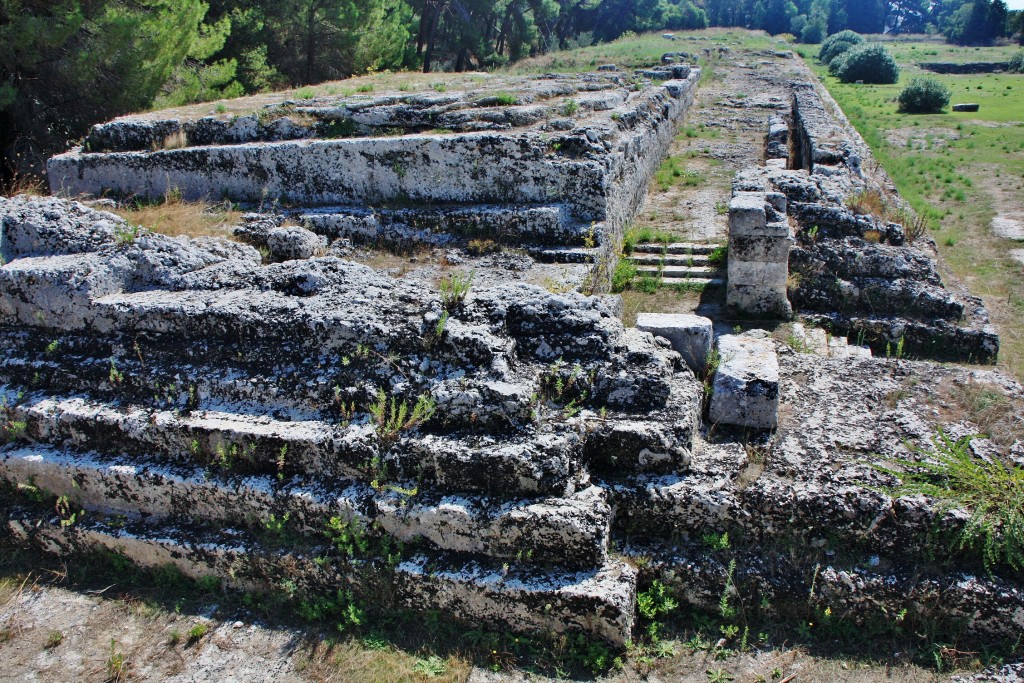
681	263
205	410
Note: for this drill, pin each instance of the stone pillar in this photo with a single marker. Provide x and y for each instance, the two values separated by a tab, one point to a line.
759	243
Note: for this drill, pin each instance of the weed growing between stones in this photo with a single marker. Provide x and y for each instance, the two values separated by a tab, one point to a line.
391	418
635	236
989	489
454	289
11	430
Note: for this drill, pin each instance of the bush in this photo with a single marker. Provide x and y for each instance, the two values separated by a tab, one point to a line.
1017	63
869	63
923	96
812	32
838	43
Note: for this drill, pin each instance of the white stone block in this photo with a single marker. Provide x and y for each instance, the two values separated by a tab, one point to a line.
746	385
690	335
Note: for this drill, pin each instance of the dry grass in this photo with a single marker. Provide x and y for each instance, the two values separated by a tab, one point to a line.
369	660
23	183
175	217
997	416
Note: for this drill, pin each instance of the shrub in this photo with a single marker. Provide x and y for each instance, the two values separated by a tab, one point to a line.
1017	63
923	96
990	490
838	43
870	63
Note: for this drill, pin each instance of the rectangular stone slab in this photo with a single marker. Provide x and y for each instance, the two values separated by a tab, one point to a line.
746	385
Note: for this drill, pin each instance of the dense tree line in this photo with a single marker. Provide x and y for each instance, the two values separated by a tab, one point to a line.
68	63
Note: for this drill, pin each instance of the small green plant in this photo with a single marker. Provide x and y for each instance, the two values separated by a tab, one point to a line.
439	87
655	601
54	639
126	233
482	247
719	676
990	490
431	667
117	665
716	541
454	289
220	108
440	325
366	87
570	107
305	93
67	512
196	633
718	255
115	376
506	99
391	417
625	271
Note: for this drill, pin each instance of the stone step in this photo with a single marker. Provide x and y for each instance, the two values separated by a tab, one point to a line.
676	248
679	271
745	389
570	531
599	602
817	341
542	464
695	281
541	225
682	260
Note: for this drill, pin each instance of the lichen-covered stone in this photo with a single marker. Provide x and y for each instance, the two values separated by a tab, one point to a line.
746	383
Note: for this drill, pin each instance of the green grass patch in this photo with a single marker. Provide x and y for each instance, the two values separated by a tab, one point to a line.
672	173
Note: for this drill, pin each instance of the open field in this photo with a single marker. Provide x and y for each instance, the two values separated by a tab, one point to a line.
962	170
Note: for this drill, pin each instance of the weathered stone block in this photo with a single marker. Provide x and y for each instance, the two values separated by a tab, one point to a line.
759	248
746	385
966	107
292	242
747	214
762	273
690	335
759	301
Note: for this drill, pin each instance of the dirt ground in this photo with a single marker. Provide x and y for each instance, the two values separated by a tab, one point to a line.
51	634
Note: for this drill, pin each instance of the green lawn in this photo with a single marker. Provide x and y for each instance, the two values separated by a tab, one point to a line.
959	169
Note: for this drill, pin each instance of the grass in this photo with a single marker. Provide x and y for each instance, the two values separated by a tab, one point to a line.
634	51
174	216
672	173
955	169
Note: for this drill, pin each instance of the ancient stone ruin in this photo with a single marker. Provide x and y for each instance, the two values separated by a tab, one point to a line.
508	455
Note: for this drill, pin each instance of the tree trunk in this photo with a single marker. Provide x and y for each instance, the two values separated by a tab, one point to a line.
429	54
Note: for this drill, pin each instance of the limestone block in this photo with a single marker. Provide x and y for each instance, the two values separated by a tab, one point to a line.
690	335
292	242
966	107
759	248
762	273
747	214
758	300
746	385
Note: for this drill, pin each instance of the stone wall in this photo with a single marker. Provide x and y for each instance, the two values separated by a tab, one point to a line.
588	145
